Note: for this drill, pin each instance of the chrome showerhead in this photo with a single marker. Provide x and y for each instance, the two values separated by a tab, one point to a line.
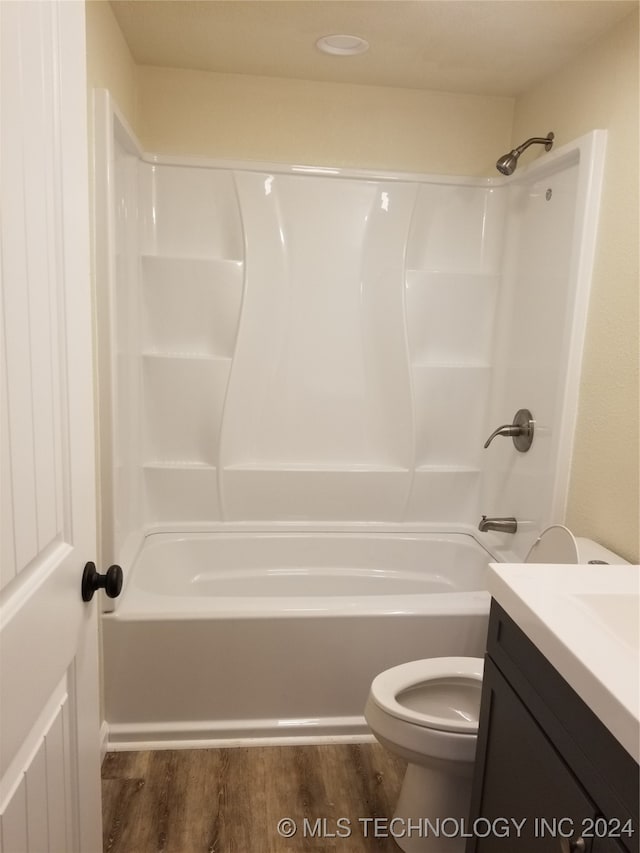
508	162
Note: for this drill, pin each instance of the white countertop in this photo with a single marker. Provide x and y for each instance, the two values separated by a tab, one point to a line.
585	619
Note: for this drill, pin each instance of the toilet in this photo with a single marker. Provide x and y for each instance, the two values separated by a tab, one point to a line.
426	712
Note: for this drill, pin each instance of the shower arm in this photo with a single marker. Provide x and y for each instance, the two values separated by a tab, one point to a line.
547	141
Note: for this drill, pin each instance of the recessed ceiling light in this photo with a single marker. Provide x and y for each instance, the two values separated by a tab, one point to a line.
342	45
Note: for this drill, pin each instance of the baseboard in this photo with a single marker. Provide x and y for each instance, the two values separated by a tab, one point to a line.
212	734
104	740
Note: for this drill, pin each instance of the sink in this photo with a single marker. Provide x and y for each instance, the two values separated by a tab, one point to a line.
585	619
617	613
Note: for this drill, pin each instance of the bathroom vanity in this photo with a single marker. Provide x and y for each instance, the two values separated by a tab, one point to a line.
549	774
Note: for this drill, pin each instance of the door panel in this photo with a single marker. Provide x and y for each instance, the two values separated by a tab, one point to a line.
49	734
33	462
13	822
38	814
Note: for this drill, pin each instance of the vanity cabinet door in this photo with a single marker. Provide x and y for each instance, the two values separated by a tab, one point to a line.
608	845
526	788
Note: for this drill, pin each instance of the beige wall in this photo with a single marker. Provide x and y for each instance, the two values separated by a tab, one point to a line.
600	90
109	61
239	116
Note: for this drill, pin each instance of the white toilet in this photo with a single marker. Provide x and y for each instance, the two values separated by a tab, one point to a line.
426	711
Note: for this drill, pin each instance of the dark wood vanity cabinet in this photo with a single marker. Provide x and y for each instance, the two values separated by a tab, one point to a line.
549	776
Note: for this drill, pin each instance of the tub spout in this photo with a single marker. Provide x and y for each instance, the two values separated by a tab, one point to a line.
502	525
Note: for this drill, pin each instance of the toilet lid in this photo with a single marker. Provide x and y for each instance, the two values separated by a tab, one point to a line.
556	544
436	693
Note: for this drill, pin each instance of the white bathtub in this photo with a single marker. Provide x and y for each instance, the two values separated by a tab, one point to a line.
238	637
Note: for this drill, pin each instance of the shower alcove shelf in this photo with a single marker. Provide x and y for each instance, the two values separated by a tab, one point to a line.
313	346
191	309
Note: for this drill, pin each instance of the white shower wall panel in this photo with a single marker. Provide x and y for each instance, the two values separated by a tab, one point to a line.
319	378
536	316
454	262
318	419
191	305
183	408
457	228
450	403
443	494
181	494
189	212
191	274
320	348
450	316
125	316
316	347
290	344
310	494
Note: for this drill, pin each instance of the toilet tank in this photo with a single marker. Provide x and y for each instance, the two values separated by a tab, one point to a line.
590	551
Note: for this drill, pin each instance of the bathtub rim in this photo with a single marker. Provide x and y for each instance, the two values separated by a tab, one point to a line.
160	607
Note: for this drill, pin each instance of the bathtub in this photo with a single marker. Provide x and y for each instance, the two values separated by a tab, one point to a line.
256	637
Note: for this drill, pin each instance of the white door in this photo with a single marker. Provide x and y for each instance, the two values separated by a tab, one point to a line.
49	717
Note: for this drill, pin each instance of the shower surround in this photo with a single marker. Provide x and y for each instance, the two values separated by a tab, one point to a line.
297	350
313	347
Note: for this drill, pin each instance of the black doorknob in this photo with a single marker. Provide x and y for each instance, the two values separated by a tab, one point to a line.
110	581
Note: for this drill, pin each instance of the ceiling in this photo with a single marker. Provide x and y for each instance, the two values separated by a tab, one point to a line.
492	47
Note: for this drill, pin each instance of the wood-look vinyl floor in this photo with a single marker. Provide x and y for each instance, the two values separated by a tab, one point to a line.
231	800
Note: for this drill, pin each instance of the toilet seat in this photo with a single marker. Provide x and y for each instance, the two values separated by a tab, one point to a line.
555	544
388	687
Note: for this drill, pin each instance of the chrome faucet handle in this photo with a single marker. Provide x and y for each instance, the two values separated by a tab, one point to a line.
507	429
521	430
